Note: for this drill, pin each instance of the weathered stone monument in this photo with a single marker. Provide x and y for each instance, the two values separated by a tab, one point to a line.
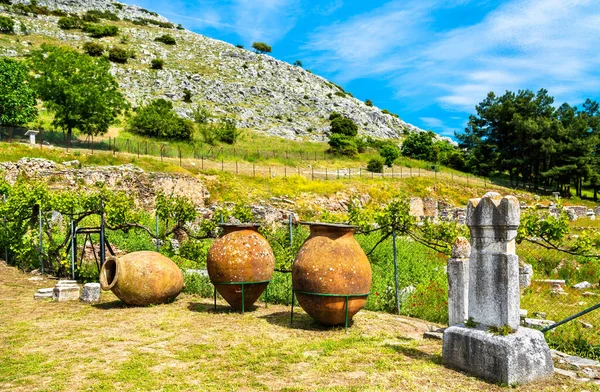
491	345
458	282
66	290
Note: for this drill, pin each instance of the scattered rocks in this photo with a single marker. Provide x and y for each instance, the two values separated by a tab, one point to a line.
44	293
583	285
90	293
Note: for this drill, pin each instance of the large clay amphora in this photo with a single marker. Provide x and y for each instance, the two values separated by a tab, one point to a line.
331	262
142	278
240	254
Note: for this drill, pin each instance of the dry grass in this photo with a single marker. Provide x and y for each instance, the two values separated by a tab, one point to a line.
188	346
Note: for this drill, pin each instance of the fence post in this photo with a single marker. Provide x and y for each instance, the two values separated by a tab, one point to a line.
222	164
102	236
41	139
338	173
349	173
400	171
285	171
6	233
396	271
157	233
73	245
179	151
312	173
253	170
236	167
41	240
326	175
291	221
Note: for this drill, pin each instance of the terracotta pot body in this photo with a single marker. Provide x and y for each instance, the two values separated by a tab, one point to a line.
142	278
331	262
241	254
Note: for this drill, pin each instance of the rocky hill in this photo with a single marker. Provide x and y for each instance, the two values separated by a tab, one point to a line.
262	93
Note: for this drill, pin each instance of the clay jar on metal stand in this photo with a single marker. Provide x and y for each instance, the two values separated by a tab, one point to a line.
142	278
331	267
240	255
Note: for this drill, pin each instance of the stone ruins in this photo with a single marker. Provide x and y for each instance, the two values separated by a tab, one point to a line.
491	344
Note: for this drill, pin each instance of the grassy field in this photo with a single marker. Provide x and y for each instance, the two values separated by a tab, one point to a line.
47	346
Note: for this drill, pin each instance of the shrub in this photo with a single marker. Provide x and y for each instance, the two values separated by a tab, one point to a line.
87	17
226	131
99	31
166	39
261	47
239	46
7	2
158	119
117	54
343	145
7	25
187	96
69	23
157	64
94	49
298	63
180	27
340	94
344	126
369	103
375	165
101	15
418	145
389	152
385	111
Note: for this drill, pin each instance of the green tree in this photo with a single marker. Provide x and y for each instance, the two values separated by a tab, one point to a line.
79	89
261	47
159	120
344	126
166	39
298	63
226	131
118	54
418	145
17	101
369	103
343	145
389	152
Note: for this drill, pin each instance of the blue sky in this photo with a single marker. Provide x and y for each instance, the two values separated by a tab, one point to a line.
430	61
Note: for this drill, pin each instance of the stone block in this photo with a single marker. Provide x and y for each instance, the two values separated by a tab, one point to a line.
537	323
416	207
517	358
90	292
44	293
582	285
494	294
66	293
525	275
430	207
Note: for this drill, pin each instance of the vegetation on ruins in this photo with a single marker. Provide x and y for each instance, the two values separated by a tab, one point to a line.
77	88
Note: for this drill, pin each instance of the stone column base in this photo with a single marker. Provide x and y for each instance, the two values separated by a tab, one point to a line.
517	358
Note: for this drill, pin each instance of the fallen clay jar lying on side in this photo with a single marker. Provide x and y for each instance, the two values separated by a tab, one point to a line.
142	278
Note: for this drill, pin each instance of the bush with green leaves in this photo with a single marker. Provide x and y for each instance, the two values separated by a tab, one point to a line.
418	145
344	126
343	145
118	54
69	23
389	152
159	120
95	15
7	25
157	63
166	39
369	103
187	96
375	165
99	31
226	131
94	49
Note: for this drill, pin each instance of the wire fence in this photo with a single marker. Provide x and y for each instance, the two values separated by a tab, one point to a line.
247	162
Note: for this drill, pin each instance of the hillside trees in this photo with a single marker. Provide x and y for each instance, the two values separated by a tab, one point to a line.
419	145
343	135
79	89
524	135
261	47
17	101
159	120
7	25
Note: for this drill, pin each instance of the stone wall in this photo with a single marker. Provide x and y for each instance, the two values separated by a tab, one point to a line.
127	178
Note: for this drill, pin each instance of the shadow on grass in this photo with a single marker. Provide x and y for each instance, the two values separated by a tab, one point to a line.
301	321
117	304
210	308
415	353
